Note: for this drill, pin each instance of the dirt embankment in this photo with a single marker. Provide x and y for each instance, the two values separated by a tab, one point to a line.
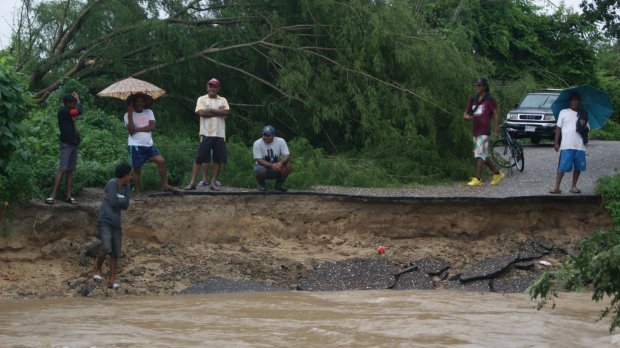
172	242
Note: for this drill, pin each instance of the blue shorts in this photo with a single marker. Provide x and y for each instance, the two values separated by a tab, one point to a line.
572	160
138	155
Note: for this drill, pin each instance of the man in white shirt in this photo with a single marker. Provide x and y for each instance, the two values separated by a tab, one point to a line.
140	122
267	151
572	150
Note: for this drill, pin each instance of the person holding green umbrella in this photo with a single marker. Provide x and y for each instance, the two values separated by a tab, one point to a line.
573	106
573	148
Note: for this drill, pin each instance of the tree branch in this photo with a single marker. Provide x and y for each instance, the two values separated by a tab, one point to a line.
76	26
44	93
61	27
246	73
190	5
225	20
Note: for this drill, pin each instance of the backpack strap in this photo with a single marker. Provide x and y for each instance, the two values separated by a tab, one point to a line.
486	97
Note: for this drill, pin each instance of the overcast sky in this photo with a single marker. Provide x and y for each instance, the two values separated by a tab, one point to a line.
10	7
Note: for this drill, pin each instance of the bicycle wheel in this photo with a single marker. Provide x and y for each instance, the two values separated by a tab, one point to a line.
519	158
501	154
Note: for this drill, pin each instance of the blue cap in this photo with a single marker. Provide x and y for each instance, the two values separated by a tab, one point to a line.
269	130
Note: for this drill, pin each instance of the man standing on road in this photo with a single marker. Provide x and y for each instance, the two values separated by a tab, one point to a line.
115	197
572	150
267	151
140	122
69	141
480	108
213	111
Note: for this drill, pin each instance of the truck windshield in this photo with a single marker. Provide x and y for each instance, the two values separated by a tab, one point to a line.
538	101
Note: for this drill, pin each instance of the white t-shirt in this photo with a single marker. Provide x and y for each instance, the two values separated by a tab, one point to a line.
270	152
141	120
571	140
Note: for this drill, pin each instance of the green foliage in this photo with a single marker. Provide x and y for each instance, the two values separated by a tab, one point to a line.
598	262
519	37
13	102
605	11
610	131
609	75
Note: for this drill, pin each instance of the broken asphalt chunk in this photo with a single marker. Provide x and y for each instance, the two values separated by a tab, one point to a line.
488	268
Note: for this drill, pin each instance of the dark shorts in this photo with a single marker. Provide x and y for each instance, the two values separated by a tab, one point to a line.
209	144
68	156
111	239
138	155
271	175
572	160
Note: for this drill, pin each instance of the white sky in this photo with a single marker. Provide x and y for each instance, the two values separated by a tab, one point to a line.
9	7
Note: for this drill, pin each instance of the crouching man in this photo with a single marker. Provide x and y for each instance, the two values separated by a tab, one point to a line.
267	152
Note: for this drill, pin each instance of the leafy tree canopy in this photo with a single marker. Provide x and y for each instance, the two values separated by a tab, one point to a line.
605	11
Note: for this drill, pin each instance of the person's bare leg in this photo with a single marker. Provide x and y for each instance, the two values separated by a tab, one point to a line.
479	163
57	179
205	171
287	169
69	182
260	176
575	178
161	168
558	180
216	170
489	164
100	258
195	170
113	261
136	182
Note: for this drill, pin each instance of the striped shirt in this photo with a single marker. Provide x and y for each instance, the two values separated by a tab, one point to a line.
212	126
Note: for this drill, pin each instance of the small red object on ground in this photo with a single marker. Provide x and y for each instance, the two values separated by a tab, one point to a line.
381	249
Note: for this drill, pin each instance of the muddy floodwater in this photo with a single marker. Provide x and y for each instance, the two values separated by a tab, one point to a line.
353	318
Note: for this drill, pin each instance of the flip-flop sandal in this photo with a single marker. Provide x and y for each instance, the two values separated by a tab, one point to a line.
97	278
137	199
171	189
49	200
214	188
190	187
217	183
70	201
574	190
202	183
555	191
114	286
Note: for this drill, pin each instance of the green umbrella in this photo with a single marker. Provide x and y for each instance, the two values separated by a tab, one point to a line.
595	101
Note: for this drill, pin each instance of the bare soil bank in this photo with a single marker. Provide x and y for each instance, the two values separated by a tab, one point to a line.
172	242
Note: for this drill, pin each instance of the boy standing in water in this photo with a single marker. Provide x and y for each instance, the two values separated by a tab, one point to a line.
480	108
115	198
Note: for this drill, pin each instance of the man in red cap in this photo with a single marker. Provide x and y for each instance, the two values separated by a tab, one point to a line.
212	110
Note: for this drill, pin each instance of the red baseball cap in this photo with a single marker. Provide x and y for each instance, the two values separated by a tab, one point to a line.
213	82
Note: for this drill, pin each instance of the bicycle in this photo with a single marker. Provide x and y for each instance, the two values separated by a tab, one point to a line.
508	152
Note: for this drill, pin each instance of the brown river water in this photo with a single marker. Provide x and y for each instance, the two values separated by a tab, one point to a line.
339	319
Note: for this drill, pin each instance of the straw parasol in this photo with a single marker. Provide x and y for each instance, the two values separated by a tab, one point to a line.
130	88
